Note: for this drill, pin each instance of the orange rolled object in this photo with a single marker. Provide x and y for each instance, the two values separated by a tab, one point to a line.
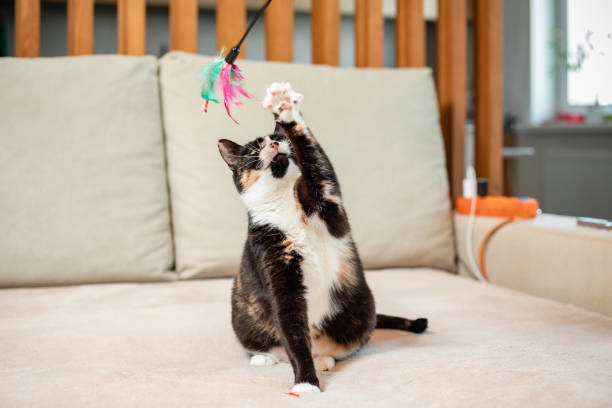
498	206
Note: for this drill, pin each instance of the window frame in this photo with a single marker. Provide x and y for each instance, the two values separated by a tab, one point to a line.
560	73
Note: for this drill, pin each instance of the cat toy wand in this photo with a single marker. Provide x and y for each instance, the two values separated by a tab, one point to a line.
223	77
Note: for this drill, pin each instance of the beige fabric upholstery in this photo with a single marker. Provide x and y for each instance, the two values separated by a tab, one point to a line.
379	127
83	194
171	345
548	256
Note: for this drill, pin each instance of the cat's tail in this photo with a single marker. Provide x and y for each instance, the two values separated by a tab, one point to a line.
399	323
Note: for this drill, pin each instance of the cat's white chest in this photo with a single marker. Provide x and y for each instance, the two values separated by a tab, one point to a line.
322	254
322	257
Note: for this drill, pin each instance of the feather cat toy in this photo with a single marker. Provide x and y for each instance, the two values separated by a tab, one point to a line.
222	79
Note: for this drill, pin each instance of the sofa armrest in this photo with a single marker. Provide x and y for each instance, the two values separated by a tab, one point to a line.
548	256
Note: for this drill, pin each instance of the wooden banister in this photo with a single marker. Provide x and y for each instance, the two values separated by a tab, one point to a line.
231	23
131	26
368	33
451	82
279	31
489	93
325	29
80	27
409	34
184	25
325	19
27	28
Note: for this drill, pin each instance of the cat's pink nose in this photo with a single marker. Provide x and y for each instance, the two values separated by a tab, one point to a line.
274	145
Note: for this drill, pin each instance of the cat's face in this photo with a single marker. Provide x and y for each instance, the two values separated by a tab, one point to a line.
265	161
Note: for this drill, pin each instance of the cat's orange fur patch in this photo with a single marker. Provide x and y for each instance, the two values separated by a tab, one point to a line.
255	311
249	178
315	333
238	282
288	244
346	274
300	210
323	345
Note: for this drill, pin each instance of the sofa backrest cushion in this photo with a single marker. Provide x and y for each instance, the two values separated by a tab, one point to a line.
379	127
83	192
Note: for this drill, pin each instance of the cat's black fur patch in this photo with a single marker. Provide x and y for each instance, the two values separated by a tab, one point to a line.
279	165
399	323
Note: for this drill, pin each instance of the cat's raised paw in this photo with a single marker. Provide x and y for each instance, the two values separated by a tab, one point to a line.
283	101
305	387
263	360
324	363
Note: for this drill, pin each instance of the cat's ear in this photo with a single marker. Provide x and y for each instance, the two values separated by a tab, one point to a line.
230	152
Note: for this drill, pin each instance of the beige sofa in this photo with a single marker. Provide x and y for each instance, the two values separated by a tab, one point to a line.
109	174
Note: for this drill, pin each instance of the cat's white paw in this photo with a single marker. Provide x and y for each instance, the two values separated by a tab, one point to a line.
263	360
324	363
305	387
283	101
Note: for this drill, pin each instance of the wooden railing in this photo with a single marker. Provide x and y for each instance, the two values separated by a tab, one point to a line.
325	19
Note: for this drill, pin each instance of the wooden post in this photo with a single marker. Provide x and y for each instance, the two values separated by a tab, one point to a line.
231	23
451	81
27	28
279	31
368	33
184	25
131	18
80	27
489	93
325	28
409	34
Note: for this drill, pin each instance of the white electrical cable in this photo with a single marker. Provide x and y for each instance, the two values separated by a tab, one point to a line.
470	190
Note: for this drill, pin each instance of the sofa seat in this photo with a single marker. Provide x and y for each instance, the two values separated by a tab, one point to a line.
171	344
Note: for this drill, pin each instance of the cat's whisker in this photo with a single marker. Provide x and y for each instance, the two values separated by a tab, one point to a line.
238	155
244	167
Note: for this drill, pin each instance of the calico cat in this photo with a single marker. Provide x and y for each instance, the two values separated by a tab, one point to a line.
301	287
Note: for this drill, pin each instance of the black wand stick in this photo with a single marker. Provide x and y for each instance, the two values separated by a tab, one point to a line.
233	53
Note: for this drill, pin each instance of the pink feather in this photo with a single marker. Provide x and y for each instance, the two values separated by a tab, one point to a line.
229	86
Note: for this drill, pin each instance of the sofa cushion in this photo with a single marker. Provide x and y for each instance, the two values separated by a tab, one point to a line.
171	345
384	141
83	194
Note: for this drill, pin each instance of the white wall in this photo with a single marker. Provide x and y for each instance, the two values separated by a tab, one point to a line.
516	60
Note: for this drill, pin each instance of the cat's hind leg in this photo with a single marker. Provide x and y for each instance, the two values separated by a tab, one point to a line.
276	354
263	359
279	355
324	363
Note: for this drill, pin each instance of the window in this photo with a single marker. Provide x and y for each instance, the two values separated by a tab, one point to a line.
589	52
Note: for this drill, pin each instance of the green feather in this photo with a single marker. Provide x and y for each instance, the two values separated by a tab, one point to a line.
209	78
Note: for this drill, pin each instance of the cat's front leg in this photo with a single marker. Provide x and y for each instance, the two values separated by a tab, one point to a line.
289	309
317	189
284	103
